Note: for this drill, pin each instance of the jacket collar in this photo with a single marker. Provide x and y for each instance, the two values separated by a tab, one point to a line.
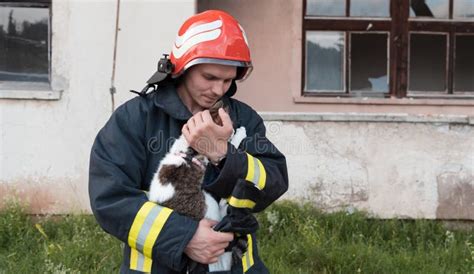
168	100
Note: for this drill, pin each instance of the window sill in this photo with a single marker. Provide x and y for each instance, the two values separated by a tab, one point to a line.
384	101
28	91
366	117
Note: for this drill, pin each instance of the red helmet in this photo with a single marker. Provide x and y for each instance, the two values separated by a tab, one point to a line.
211	37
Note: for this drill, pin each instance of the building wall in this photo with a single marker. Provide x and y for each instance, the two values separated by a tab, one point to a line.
390	166
391	157
274	31
45	144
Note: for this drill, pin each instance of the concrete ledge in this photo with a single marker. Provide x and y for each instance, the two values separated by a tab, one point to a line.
29	90
366	117
31	94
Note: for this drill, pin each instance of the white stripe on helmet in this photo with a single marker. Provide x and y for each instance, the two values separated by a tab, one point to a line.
180	40
243	34
196	39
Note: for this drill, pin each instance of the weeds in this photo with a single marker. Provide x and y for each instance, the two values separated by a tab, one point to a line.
292	239
300	239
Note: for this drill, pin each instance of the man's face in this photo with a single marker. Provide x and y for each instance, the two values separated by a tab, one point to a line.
204	84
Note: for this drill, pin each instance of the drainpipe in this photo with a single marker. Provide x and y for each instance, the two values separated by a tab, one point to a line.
112	84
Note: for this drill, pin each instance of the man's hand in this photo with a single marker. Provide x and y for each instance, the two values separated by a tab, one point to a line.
207	137
207	245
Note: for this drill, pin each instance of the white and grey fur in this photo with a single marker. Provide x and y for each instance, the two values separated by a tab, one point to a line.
177	185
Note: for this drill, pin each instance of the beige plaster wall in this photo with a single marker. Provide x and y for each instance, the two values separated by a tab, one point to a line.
390	169
274	31
45	145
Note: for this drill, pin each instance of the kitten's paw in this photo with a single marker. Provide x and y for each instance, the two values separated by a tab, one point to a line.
160	193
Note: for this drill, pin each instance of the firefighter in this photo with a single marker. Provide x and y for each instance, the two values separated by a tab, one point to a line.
209	55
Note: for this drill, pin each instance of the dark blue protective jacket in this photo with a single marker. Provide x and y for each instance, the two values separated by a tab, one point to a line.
127	152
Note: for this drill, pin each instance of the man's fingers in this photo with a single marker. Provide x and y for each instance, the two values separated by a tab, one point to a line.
198	117
213	260
206	116
224	236
209	223
222	246
219	252
225	118
185	132
191	124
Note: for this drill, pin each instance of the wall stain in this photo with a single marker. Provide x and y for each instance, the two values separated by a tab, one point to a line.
455	195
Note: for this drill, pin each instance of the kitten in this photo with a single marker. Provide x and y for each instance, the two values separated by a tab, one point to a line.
178	180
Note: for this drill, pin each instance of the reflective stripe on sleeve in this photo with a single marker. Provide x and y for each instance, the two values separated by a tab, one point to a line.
145	229
247	259
139	262
256	172
241	203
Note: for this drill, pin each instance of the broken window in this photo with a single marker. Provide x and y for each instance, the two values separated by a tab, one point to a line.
409	48
369	74
429	8
24	41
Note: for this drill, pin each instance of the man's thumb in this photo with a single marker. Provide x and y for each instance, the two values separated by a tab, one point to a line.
225	118
210	223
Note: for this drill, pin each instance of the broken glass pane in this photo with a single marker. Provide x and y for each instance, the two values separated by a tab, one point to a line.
24	44
430	8
427	62
369	55
464	65
370	8
324	61
326	7
464	9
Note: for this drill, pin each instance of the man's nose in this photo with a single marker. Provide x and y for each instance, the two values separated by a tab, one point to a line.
218	88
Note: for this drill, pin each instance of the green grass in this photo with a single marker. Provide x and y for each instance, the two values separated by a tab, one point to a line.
292	239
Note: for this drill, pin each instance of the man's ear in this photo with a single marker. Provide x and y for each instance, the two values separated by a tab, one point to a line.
232	89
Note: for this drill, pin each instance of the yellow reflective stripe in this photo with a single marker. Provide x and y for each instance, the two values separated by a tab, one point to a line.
244	263
250	251
241	203
138	223
147	264
139	262
263	175
133	259
247	259
256	172
157	226
145	229
250	168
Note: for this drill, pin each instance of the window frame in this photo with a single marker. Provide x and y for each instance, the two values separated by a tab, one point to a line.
31	90
399	26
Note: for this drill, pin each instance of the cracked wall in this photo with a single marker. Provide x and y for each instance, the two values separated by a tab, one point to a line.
408	170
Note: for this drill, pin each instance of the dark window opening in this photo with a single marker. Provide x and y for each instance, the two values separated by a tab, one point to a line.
25	41
427	62
369	74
